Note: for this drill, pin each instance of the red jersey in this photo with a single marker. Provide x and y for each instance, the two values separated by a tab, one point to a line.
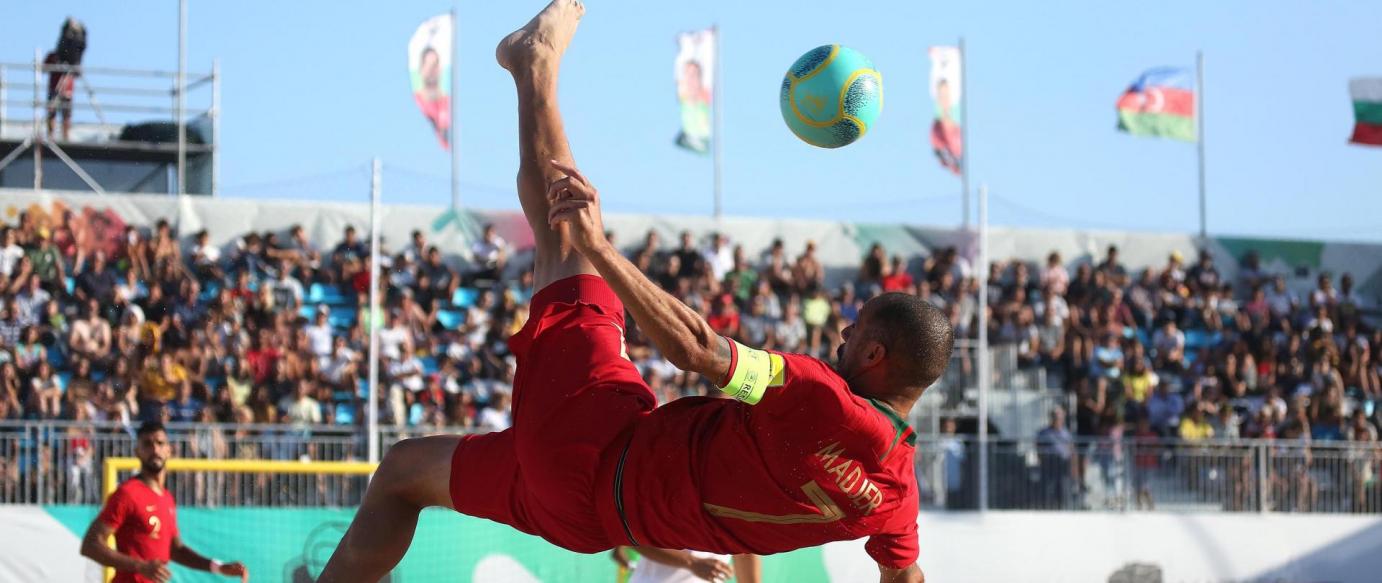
145	524
897	282
811	463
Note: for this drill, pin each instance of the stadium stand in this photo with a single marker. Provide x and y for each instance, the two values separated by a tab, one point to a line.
272	333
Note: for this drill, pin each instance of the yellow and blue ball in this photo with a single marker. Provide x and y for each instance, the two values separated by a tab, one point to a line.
831	96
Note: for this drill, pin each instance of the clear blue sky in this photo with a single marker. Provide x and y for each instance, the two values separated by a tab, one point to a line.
314	89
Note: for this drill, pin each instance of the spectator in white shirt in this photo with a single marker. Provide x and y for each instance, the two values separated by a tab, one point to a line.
395	339
300	408
478	319
206	258
790	334
319	334
496	417
719	257
341	362
1324	294
490	254
10	254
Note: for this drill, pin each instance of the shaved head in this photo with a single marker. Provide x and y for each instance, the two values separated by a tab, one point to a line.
916	334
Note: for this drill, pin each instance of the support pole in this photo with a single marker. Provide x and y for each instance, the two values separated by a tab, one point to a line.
180	99
1199	140
964	134
717	140
215	126
983	357
372	410
76	168
39	136
455	137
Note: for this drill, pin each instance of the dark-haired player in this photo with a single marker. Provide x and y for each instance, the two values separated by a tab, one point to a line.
804	455
143	517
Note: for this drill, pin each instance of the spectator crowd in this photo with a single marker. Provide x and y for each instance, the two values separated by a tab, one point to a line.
272	330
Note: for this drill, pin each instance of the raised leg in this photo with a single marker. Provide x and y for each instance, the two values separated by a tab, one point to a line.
533	55
414	475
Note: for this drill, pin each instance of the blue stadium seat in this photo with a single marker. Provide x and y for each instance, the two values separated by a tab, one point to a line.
450	319
1143	338
345	414
56	358
209	292
342	318
320	293
69	284
1195	340
465	297
429	364
308	311
64	379
362	388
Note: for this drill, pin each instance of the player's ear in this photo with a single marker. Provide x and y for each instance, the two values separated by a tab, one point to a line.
875	353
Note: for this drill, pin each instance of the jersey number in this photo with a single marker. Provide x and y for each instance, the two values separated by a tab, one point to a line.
155	524
829	511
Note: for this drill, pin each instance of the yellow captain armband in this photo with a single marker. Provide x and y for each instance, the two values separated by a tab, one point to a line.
752	371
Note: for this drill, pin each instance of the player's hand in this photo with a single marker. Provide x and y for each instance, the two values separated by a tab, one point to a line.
711	569
236	569
155	571
574	201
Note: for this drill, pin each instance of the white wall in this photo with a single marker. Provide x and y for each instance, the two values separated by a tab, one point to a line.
1075	547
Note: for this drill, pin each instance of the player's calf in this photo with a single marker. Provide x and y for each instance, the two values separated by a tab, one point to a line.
415	474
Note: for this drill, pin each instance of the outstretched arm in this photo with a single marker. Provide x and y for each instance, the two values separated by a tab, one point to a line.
185	556
911	574
683	337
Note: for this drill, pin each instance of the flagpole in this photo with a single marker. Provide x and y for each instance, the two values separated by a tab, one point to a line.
455	123
717	139
964	134
372	386
1199	138
983	352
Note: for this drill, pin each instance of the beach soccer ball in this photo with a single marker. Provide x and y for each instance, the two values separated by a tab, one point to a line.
831	96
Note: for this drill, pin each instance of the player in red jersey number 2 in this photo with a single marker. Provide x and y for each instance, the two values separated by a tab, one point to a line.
144	520
802	455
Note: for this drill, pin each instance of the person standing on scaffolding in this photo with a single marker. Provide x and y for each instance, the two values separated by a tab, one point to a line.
61	64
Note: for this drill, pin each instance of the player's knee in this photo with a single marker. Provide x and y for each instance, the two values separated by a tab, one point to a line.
400	468
417	471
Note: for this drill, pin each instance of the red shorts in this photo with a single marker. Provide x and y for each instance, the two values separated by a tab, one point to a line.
575	397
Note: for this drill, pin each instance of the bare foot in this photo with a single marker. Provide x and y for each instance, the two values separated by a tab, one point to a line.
543	39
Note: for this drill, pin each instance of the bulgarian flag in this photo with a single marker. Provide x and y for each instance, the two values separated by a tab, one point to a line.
1367	110
1160	103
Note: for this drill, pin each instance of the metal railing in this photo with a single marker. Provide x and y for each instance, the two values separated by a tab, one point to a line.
1018	402
103	103
60	463
1127	474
